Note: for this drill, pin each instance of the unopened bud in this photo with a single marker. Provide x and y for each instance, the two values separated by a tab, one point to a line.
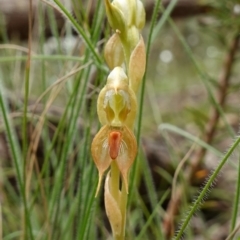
113	52
140	15
115	16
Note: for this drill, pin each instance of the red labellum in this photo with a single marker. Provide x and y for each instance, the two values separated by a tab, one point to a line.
114	141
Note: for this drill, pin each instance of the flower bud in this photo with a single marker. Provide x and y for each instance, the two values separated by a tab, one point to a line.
113	52
115	16
139	15
133	12
126	7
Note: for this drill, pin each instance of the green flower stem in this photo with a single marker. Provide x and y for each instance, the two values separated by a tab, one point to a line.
123	208
120	198
129	42
25	140
127	54
115	175
119	237
236	200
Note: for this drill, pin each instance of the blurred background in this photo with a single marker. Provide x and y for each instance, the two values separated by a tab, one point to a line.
190	113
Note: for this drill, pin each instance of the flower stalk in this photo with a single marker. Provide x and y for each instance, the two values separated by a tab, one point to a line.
115	146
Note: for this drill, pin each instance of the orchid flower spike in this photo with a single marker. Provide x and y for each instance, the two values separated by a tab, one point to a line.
115	144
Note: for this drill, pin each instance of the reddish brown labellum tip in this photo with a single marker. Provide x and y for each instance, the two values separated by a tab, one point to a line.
114	141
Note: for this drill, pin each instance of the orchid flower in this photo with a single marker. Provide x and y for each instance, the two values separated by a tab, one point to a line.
115	140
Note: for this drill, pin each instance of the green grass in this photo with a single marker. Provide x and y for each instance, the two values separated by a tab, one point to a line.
48	119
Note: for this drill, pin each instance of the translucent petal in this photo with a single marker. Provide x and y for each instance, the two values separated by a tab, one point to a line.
100	153
127	154
100	106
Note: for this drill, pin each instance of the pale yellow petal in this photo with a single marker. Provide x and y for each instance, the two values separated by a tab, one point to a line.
100	106
137	65
112	209
113	52
117	103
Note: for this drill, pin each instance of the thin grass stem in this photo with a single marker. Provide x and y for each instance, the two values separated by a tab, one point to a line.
203	192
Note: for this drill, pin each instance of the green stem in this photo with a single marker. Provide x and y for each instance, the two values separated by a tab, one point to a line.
129	41
236	201
81	32
205	190
142	91
25	141
123	208
114	187
15	151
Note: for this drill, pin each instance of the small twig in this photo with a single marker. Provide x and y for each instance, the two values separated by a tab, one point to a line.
224	81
